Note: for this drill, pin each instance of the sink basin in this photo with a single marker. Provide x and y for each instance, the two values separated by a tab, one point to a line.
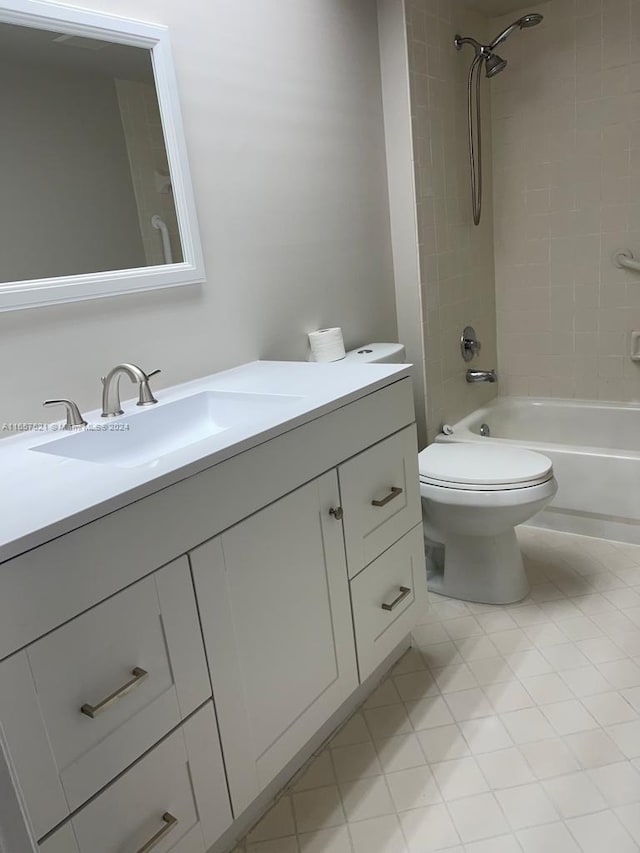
149	434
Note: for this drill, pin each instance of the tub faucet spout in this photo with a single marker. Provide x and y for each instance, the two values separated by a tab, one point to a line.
482	376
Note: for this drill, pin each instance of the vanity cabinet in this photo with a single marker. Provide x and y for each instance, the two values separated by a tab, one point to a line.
156	693
81	704
274	602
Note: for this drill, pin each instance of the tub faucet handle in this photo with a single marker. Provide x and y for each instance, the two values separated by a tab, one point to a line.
470	346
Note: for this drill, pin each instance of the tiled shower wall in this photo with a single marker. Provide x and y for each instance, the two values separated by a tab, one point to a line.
456	258
566	147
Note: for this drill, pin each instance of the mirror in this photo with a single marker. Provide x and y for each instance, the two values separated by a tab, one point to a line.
96	198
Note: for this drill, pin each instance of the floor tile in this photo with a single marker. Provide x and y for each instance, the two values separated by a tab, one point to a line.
385	694
565	656
574	795
400	753
428	713
627	738
459	778
504	844
569	717
428	829
600	650
485	735
618	783
366	798
528	663
552	838
585	681
455	677
443	743
527	805
469	704
277	823
621	673
355	731
318	809
359	760
318	774
478	817
511	641
594	748
464	626
388	721
335	840
441	654
491	671
279	845
546	689
511	696
629	816
609	708
413	789
597	832
378	835
476	648
505	768
527	725
495	620
549	758
415	685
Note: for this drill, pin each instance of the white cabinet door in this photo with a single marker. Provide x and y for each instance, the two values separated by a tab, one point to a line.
274	602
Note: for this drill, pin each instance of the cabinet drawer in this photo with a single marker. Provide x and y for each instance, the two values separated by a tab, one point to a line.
87	700
387	599
380	493
178	789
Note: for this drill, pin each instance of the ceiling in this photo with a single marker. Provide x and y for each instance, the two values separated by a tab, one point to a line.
494	8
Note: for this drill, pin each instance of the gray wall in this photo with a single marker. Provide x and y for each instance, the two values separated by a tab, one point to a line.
68	205
283	116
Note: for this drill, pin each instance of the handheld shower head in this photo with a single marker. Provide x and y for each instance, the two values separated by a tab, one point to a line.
494	64
523	23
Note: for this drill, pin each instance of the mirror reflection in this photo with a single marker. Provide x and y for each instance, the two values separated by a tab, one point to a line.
86	184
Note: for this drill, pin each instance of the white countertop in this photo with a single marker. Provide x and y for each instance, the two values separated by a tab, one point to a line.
44	496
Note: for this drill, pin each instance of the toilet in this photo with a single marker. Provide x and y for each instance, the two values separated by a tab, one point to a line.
473	496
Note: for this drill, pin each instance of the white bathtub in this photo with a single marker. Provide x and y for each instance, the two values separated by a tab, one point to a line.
595	450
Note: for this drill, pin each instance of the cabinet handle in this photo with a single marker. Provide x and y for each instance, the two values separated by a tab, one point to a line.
170	822
395	491
404	592
139	676
337	512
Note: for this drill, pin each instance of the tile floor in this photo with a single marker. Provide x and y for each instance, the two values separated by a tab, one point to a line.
505	730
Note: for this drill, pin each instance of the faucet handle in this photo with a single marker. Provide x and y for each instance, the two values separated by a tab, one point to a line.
74	417
145	397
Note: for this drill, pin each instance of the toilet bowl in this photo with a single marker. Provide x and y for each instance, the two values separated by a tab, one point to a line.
473	496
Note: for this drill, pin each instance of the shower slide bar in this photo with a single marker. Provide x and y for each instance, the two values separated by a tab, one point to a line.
624	259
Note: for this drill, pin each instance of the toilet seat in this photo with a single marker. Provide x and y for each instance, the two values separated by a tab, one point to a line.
487	467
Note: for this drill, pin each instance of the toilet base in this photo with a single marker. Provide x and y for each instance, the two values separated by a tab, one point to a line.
482	569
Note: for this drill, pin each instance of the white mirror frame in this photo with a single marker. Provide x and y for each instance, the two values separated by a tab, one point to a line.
40	14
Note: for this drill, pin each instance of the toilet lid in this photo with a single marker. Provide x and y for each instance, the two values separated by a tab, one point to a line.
482	466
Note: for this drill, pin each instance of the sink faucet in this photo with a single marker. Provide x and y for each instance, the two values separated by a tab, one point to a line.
111	388
482	376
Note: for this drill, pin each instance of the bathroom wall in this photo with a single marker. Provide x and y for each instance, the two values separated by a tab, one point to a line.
283	116
456	258
566	147
62	149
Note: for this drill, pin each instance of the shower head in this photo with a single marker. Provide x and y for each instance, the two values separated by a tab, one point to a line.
523	23
494	64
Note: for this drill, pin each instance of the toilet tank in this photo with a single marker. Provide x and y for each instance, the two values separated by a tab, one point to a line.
377	353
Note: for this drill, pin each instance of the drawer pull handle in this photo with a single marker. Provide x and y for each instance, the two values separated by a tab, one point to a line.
395	491
404	592
170	822
139	676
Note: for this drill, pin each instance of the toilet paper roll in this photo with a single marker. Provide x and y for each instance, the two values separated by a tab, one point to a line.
327	344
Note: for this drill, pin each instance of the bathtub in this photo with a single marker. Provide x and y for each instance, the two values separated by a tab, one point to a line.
595	450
